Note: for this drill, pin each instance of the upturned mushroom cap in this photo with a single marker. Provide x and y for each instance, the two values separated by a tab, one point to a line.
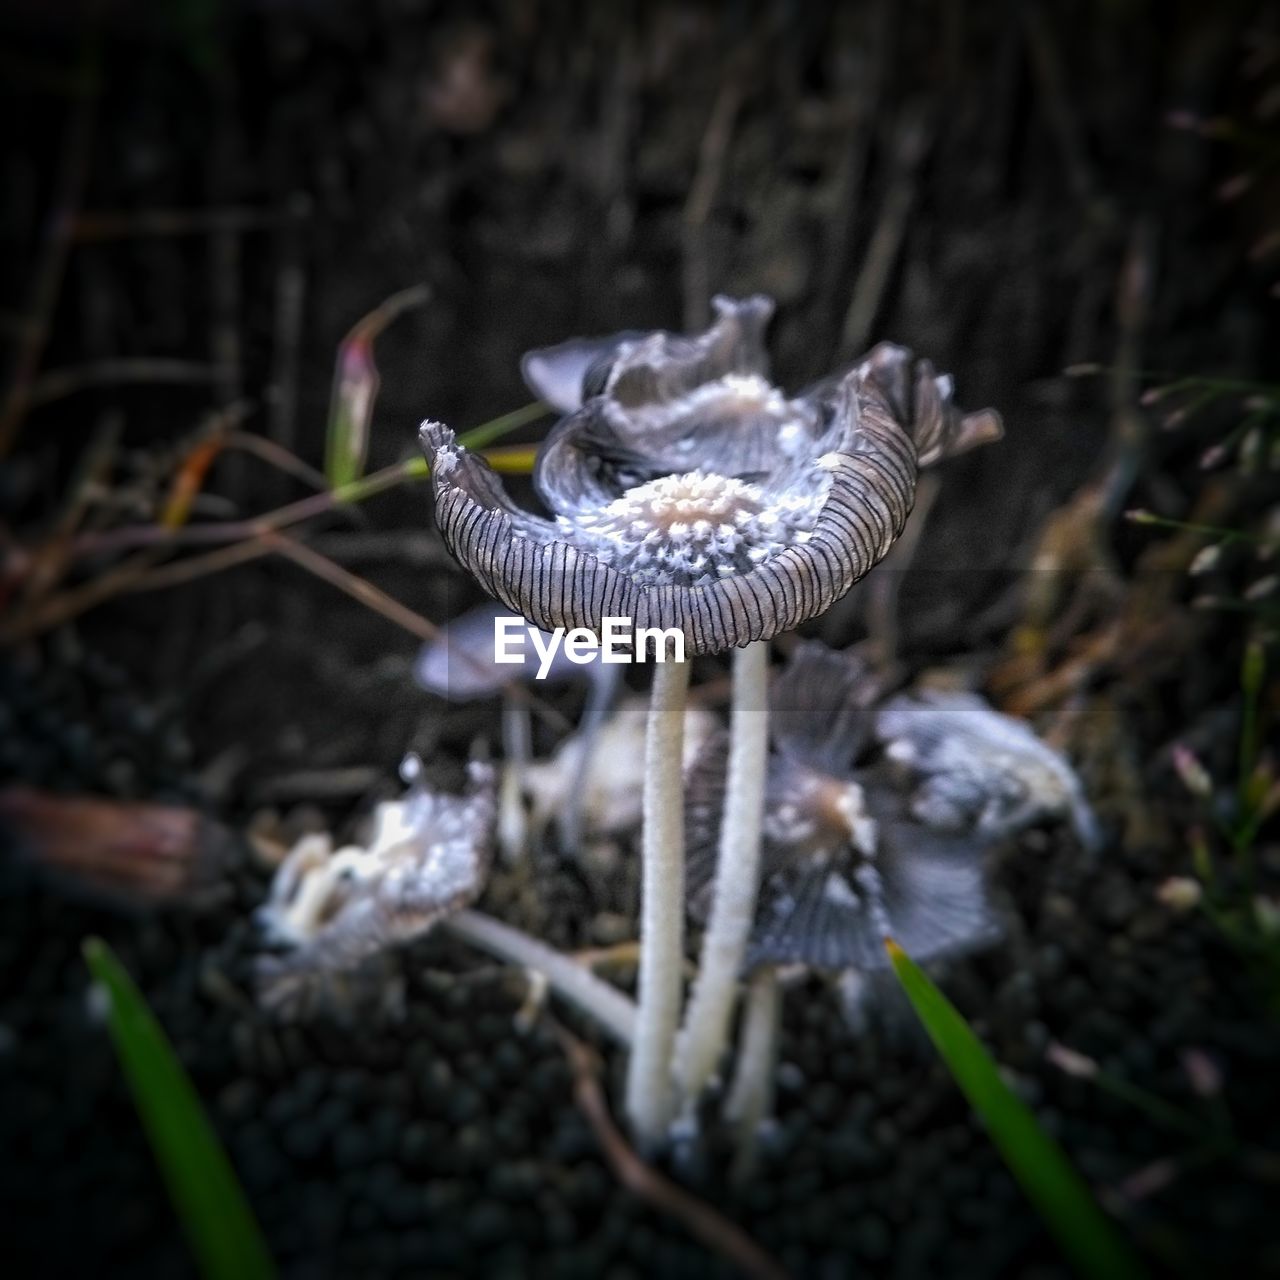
844	861
689	492
821	707
428	856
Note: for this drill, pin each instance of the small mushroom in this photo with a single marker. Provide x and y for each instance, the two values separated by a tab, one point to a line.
461	665
975	769
605	775
844	861
428	856
688	492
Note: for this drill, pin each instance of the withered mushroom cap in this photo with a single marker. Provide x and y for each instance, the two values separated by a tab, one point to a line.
844	861
428	856
974	768
687	491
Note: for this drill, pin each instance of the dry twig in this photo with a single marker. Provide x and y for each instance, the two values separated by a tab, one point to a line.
57	384
704	1223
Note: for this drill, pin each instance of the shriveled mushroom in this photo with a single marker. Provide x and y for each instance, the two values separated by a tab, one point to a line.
845	859
976	769
844	862
686	491
428	856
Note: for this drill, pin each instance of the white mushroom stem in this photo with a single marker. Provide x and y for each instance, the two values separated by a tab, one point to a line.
604	684
733	904
572	981
517	747
650	1088
750	1101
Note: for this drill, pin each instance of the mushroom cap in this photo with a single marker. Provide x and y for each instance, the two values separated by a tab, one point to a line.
845	861
428	856
926	889
844	864
920	400
974	768
688	492
821	707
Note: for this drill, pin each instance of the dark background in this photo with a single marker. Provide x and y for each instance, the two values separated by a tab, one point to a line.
223	189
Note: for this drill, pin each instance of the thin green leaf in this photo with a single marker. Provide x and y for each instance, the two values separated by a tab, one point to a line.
1038	1164
496	428
199	1177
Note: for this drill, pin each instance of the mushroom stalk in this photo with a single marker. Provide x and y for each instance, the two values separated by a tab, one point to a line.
750	1100
600	696
517	746
571	981
650	1092
733	906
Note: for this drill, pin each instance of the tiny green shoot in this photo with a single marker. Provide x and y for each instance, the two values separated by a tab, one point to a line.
1057	1191
196	1171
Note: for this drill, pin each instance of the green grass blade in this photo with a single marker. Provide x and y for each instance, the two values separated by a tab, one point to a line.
1038	1164
201	1182
489	432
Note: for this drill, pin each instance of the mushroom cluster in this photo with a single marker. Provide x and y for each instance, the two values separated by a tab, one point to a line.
686	492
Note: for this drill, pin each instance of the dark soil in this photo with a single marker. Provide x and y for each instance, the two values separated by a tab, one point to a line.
534	164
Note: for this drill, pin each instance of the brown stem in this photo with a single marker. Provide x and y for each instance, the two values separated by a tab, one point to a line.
702	1222
370	596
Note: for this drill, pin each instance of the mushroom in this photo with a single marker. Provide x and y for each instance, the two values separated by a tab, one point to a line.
428	856
687	492
977	769
461	665
426	861
845	862
604	775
